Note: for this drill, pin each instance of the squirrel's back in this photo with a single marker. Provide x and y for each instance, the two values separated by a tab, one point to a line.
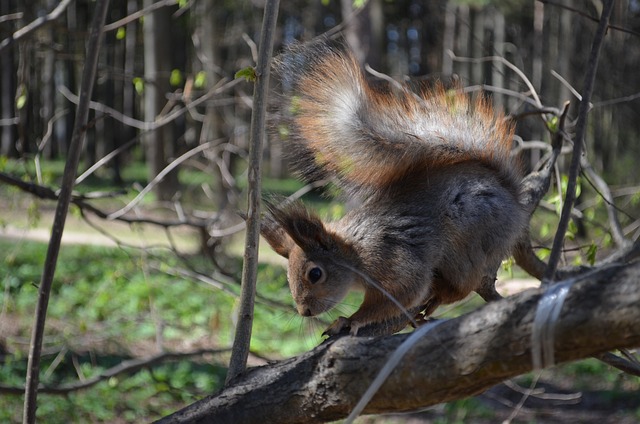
368	138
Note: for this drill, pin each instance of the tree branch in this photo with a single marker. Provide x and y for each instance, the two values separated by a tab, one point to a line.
585	15
138	14
69	175
242	339
160	120
581	128
34	25
44	192
459	358
126	367
605	192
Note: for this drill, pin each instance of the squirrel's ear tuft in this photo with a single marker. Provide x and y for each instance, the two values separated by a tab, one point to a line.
276	236
296	224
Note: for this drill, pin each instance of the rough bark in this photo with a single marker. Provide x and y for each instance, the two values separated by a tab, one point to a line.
458	358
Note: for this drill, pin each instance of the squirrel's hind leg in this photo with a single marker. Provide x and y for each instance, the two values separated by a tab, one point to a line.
487	289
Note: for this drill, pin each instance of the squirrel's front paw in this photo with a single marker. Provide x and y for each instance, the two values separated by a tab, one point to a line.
341	327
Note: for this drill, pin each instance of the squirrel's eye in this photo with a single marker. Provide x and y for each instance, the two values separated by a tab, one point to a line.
314	275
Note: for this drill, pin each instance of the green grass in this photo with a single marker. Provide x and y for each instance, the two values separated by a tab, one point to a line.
108	305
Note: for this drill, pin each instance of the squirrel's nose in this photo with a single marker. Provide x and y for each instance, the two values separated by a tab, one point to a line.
306	312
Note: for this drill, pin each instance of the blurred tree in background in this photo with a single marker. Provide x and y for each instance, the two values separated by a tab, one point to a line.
186	48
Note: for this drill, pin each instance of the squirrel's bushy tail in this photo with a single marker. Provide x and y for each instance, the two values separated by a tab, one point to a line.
369	138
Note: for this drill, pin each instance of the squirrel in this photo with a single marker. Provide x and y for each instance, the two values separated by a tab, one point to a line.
437	184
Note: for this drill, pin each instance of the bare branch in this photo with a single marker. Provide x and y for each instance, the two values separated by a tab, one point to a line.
160	177
510	65
585	15
240	350
34	25
161	120
626	365
126	367
9	121
11	17
581	127
617	100
603	189
140	13
75	148
44	192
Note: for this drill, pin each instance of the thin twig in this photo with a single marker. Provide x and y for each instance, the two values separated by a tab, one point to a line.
11	17
103	161
627	365
517	408
510	65
138	14
605	192
564	82
515	94
160	120
240	350
75	148
624	99
126	367
585	15
44	192
581	126
35	24
160	177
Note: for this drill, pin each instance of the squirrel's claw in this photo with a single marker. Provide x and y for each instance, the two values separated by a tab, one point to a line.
339	327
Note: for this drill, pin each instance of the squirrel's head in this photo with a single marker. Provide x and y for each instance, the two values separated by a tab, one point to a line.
316	278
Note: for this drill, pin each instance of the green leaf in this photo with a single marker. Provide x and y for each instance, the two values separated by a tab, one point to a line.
543	253
248	73
507	266
591	253
577	261
572	230
75	211
176	78
21	98
138	84
121	33
552	124
294	106
201	80
545	229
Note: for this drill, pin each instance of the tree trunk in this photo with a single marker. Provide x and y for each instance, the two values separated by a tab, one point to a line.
7	85
448	39
157	42
498	68
478	75
463	40
355	31
47	87
536	69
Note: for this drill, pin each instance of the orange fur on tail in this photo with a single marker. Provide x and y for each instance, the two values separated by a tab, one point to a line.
369	138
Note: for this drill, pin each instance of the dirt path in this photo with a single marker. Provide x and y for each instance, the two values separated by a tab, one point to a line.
78	231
